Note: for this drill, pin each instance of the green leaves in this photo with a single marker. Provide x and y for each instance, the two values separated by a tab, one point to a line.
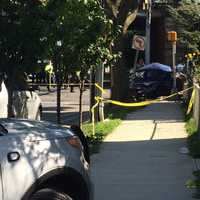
30	30
187	18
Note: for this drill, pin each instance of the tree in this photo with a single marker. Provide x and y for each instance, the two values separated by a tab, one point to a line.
21	39
187	23
85	33
123	13
75	35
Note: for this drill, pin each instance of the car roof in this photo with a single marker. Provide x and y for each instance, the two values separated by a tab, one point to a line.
157	66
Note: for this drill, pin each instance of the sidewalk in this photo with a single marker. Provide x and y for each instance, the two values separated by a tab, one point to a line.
141	159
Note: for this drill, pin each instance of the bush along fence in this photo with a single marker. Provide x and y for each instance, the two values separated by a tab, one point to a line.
193	129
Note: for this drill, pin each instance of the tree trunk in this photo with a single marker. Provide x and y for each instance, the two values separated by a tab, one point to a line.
122	12
119	73
58	88
92	93
58	101
100	80
80	103
10	87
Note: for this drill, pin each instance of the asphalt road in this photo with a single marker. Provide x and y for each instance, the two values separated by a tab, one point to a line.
69	105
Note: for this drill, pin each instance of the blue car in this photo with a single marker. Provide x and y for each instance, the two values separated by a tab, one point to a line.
152	81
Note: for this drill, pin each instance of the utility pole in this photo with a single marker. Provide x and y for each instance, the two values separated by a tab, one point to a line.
148	7
100	80
172	38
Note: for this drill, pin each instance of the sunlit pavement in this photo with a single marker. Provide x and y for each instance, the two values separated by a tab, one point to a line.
69	105
141	159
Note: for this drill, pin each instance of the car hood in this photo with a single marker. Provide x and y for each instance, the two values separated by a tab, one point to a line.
35	130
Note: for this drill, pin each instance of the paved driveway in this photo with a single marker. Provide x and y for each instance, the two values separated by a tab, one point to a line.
141	159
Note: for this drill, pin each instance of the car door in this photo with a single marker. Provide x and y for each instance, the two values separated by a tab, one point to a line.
1	185
17	172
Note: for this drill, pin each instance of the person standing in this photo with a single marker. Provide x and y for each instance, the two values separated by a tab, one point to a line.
49	72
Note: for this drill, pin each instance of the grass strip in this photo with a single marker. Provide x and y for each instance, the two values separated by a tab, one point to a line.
114	115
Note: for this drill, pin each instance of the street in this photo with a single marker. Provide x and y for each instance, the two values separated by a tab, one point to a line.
69	105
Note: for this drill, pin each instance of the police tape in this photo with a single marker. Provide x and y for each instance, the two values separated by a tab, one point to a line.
137	104
191	102
55	84
99	100
100	88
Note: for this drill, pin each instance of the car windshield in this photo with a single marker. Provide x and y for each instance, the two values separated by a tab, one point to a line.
139	75
151	75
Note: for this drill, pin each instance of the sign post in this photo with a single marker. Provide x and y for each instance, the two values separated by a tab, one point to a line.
172	37
138	44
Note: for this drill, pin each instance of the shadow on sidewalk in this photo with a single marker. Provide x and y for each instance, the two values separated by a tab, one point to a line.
143	169
161	111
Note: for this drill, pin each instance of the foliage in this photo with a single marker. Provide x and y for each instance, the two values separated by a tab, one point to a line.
194	148
193	138
101	129
75	35
187	19
22	27
191	127
31	30
195	184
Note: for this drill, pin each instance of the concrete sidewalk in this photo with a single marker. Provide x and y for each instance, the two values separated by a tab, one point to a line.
141	159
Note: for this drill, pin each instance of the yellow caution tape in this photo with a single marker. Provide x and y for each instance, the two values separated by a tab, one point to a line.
100	88
138	104
144	103
93	114
99	99
191	102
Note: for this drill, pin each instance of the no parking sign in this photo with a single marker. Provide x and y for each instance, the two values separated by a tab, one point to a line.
138	42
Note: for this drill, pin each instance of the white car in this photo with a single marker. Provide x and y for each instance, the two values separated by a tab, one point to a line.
26	104
42	161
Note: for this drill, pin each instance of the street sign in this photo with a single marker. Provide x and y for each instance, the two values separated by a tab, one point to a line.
138	42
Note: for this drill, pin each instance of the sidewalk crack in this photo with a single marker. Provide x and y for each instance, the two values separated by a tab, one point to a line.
154	130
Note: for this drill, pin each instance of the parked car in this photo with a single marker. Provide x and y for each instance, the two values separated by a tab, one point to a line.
26	104
152	81
3	100
42	161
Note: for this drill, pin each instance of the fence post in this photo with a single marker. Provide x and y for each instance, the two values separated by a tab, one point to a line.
196	108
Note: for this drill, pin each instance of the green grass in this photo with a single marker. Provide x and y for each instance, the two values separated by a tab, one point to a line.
102	129
193	139
114	116
191	127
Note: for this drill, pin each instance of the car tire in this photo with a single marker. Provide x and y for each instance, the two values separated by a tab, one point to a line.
50	194
83	140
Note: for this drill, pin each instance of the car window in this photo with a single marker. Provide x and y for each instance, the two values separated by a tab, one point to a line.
139	75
